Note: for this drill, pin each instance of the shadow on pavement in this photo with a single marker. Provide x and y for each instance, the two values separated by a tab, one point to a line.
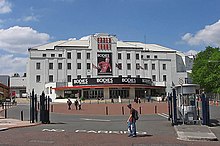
214	123
144	135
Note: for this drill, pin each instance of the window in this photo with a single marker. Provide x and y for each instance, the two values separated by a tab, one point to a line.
137	56
52	55
119	66
153	66
44	55
164	78
50	90
50	78
78	55
37	78
88	66
68	55
119	55
38	65
128	66
78	65
142	56
60	65
148	56
50	65
138	76
146	66
137	66
164	67
128	56
88	55
78	76
155	56
154	77
60	55
68	78
68	65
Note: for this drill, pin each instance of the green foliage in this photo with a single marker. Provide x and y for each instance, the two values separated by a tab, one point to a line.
206	70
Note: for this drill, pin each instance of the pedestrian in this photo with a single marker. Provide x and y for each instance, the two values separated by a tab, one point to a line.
80	103
69	103
131	122
76	104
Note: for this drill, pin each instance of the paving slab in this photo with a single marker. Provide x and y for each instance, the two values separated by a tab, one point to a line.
6	124
195	132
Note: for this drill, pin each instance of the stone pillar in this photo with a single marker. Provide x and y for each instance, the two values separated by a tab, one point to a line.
132	93
106	93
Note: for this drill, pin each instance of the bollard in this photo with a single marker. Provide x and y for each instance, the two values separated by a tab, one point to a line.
123	111
22	116
106	110
155	109
140	110
6	113
51	107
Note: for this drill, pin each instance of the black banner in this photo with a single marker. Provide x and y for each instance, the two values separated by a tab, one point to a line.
112	80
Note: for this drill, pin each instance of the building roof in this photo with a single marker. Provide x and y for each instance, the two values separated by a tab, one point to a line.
70	43
84	42
48	46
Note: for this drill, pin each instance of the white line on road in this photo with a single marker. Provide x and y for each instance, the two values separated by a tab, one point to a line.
163	115
99	120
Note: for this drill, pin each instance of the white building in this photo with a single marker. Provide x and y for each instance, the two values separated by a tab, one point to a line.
102	66
18	85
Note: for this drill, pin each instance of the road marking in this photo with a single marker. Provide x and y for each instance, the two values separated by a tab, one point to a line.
108	132
98	120
54	130
163	115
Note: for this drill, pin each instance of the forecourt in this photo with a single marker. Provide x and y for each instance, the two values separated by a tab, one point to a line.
75	128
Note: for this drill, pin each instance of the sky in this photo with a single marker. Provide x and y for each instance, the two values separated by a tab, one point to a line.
184	25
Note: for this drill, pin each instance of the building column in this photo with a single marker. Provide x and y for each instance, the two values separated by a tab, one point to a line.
132	93
106	93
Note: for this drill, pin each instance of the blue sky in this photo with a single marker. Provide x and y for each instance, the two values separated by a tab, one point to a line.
184	25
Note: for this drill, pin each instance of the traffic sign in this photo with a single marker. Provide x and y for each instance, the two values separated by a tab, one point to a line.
181	82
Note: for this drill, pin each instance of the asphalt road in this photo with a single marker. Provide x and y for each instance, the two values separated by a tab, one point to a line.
94	130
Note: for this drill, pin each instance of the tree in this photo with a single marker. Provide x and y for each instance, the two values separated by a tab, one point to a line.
206	70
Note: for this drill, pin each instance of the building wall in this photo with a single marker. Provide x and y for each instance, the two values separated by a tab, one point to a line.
173	61
4	92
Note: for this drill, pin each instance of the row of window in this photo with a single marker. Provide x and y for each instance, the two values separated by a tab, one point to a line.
119	66
137	56
69	78
69	56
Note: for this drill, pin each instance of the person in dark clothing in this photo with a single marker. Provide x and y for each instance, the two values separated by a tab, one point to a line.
76	104
69	103
131	122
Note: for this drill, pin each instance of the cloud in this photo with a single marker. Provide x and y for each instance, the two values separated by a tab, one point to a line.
210	35
18	39
5	7
191	52
30	18
14	64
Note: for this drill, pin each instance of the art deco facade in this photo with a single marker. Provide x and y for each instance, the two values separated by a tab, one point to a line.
100	65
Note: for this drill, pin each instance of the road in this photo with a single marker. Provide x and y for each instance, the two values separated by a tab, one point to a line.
83	130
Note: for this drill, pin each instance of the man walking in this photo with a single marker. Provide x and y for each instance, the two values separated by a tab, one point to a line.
131	122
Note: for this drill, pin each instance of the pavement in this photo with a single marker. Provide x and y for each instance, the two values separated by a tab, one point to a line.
184	132
195	133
